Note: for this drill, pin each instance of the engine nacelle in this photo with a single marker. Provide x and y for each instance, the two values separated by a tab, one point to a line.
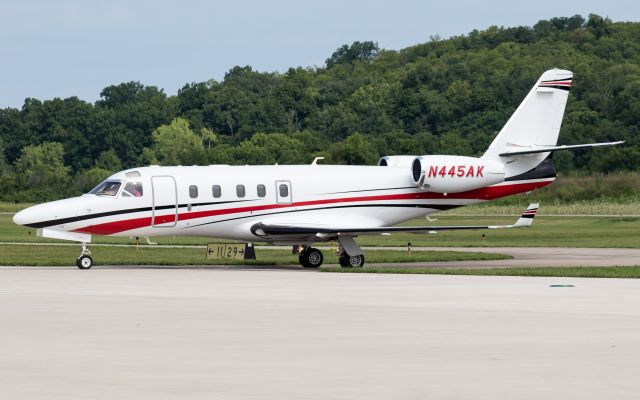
455	174
396	161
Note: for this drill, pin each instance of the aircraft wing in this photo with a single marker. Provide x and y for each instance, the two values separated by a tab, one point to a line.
271	230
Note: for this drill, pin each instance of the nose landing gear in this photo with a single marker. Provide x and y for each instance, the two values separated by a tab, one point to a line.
84	261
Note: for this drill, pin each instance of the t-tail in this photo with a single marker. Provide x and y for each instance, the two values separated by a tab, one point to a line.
531	134
519	154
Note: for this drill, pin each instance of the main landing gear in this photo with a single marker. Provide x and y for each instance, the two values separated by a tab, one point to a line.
350	254
84	261
348	261
311	258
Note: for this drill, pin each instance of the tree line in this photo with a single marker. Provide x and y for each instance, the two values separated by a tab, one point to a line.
443	96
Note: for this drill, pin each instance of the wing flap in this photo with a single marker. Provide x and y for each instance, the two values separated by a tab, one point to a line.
266	230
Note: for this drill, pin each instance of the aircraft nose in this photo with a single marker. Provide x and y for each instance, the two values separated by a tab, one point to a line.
22	217
27	217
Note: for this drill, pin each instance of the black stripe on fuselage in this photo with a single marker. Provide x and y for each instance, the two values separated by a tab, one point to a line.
68	220
440	207
60	221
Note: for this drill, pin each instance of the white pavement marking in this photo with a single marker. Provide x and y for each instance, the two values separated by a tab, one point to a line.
219	334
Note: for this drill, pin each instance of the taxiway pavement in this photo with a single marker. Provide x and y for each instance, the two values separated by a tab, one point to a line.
239	334
536	257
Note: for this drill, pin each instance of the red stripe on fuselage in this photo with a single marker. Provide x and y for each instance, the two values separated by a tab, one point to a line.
487	193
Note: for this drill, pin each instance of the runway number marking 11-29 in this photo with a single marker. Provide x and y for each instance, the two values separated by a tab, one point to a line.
236	251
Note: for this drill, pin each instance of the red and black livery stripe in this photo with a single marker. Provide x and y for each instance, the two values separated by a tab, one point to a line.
562	84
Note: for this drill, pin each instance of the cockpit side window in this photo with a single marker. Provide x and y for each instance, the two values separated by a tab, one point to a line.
107	188
132	189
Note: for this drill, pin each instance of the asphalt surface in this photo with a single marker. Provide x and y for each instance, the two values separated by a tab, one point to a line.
537	257
237	334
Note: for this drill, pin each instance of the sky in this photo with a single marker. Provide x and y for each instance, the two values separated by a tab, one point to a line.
63	48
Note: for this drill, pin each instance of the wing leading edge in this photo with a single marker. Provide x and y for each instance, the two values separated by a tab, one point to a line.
266	230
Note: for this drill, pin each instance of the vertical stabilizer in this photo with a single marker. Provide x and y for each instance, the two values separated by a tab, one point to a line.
535	123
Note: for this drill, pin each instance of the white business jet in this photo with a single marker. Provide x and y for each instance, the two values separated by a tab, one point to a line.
300	205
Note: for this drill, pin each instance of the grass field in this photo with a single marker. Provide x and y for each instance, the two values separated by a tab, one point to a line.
581	272
594	207
149	255
545	232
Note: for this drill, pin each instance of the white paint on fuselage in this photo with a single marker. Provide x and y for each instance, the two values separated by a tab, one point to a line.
308	183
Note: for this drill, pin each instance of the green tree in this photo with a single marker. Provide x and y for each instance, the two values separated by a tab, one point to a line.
175	144
135	111
354	150
86	180
357	51
41	173
109	161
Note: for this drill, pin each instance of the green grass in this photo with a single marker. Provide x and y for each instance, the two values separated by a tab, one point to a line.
545	232
13	207
149	255
581	272
593	207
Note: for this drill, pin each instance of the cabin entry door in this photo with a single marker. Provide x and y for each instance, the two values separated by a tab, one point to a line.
164	212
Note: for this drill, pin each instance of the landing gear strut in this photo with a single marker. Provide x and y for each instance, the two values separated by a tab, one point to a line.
84	261
350	254
311	258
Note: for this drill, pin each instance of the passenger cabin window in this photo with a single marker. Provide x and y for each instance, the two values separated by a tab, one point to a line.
132	189
262	191
216	190
193	191
284	190
240	190
107	188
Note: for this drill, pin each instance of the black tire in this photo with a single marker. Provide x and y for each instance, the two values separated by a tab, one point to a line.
302	260
354	261
311	258
344	260
84	262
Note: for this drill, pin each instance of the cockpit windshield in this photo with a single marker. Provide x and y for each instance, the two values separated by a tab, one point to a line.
107	188
132	189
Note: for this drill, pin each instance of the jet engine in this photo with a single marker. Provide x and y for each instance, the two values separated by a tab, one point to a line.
455	174
396	161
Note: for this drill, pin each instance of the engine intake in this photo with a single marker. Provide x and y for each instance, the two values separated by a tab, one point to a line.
396	161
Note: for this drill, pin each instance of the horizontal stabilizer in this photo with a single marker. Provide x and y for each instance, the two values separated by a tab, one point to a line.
545	149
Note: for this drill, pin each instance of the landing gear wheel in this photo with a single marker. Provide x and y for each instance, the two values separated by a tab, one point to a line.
344	260
84	262
348	261
311	258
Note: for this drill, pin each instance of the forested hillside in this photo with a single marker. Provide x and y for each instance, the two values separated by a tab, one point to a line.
444	96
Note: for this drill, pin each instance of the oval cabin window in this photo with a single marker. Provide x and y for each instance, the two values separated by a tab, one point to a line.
216	190
262	191
193	191
240	190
